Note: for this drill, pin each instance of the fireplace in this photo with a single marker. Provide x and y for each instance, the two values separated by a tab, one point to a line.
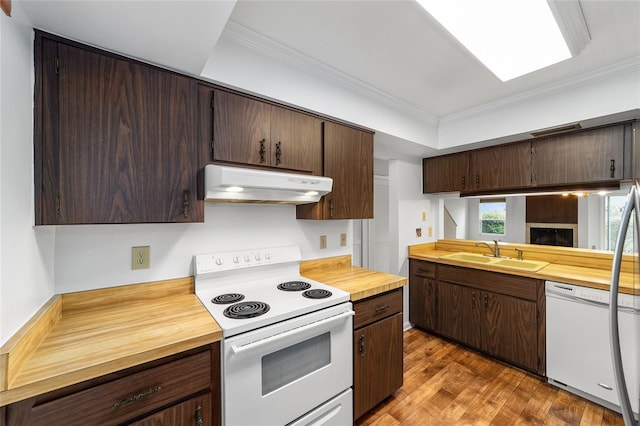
553	234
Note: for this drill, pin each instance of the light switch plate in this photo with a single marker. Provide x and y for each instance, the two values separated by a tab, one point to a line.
343	240
323	241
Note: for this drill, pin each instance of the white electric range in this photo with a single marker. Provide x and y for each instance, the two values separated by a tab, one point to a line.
287	340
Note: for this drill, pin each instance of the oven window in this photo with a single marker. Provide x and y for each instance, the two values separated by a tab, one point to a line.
296	361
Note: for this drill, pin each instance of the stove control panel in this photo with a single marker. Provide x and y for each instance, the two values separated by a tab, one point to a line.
240	259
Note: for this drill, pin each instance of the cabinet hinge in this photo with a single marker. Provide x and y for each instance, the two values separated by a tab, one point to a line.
57	64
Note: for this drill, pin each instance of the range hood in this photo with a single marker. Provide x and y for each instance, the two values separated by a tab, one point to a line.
244	185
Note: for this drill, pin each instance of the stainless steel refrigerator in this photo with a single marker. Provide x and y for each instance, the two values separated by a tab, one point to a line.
630	222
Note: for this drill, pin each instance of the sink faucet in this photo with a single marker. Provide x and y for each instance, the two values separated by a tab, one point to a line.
495	250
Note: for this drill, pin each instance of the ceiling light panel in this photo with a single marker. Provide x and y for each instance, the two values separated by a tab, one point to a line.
511	38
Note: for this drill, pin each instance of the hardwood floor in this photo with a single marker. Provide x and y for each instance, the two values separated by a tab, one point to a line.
446	384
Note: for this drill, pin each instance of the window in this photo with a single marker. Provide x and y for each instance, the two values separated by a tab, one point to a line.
493	216
613	208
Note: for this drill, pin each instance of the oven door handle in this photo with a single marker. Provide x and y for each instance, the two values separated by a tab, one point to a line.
237	349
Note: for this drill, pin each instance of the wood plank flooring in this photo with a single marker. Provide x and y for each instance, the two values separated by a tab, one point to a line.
446	384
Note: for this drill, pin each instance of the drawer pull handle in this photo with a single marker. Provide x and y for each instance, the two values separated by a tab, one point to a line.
602	385
381	309
136	397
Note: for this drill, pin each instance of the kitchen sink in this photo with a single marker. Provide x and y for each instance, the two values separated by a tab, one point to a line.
523	265
469	257
508	263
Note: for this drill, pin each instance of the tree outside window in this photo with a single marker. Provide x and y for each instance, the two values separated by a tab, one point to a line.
493	216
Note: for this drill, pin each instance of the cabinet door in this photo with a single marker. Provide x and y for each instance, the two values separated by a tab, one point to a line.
348	159
501	167
510	329
589	156
195	411
241	129
124	148
459	313
446	173
377	364
422	294
296	141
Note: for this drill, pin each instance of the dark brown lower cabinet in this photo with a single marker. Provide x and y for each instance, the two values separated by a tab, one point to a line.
195	411
500	314
377	350
422	294
182	389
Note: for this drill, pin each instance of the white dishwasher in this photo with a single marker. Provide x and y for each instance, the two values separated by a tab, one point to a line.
578	348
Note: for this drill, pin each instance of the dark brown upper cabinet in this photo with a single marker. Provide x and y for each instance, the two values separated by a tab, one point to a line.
589	156
502	166
348	159
251	131
585	158
115	139
446	173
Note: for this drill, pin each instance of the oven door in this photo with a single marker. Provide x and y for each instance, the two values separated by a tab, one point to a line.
276	374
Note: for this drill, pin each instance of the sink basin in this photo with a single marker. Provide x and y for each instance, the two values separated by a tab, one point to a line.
469	257
521	265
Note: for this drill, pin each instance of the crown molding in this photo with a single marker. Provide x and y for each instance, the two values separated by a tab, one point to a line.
609	72
257	42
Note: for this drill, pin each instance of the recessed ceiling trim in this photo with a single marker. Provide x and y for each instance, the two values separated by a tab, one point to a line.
609	72
252	40
570	19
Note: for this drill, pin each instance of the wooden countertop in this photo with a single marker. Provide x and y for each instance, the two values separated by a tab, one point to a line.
565	265
80	336
359	282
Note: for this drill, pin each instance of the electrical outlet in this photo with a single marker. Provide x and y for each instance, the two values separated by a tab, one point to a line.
343	240
141	257
424	216
430	231
418	232
323	241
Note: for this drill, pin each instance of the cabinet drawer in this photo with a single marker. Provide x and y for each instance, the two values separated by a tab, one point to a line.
422	269
123	399
377	307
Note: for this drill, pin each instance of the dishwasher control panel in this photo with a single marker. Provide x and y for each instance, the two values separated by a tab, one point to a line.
558	289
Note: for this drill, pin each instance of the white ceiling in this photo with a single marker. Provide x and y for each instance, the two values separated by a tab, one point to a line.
392	48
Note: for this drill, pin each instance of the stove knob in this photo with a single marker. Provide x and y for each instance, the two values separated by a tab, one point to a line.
247	258
267	255
236	259
219	261
258	256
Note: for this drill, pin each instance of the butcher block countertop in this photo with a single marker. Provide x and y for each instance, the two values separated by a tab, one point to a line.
588	268
80	336
359	282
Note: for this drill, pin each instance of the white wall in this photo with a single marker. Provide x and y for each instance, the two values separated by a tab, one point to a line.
95	256
565	102
406	204
26	253
457	208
